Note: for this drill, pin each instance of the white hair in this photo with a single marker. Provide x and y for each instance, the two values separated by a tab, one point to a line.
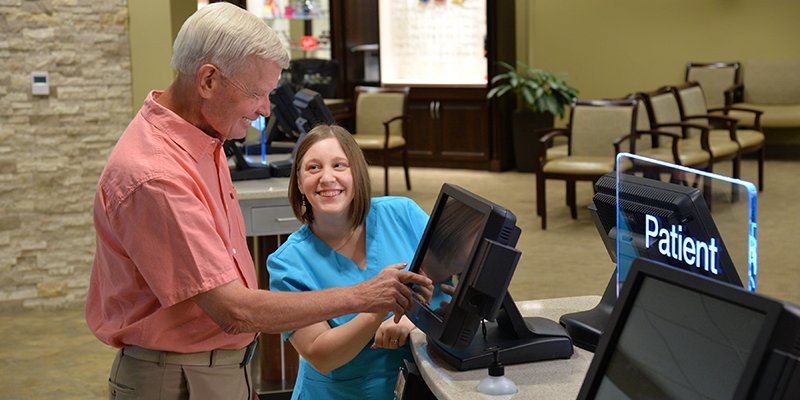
225	35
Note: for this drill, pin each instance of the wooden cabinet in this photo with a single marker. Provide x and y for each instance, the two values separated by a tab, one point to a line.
449	128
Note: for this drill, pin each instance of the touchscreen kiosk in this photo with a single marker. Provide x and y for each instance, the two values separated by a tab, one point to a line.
676	335
467	250
650	207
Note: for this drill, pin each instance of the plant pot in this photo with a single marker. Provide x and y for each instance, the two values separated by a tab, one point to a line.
526	142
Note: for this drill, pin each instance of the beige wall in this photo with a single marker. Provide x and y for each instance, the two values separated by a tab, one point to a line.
153	27
610	48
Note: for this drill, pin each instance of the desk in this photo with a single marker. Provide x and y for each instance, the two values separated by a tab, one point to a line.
551	380
268	219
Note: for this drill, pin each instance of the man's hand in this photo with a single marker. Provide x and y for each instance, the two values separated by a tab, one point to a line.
388	291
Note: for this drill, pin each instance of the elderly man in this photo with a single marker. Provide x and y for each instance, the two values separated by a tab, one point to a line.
173	285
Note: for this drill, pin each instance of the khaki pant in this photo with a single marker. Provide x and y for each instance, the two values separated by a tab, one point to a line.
133	378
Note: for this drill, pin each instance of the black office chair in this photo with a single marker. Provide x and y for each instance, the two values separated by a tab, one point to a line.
319	75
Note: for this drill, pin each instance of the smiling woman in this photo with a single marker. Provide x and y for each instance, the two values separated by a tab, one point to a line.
346	238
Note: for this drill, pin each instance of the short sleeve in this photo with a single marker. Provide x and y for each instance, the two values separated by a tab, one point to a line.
287	274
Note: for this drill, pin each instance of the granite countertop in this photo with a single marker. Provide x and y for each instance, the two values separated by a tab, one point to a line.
551	380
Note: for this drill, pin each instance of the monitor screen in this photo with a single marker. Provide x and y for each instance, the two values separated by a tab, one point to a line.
675	335
666	222
459	223
468	251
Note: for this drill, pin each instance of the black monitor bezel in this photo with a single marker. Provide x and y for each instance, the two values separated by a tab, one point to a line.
643	269
494	218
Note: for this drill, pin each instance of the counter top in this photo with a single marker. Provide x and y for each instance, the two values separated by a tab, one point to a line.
262	188
551	380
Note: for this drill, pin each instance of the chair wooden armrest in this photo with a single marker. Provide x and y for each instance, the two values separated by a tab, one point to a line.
675	140
728	121
386	129
734	94
704	132
756	113
390	120
545	137
618	141
548	134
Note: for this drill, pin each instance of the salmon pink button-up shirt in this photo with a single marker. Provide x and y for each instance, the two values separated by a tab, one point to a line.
168	227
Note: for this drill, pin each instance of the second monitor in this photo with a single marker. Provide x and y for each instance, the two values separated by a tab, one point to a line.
468	251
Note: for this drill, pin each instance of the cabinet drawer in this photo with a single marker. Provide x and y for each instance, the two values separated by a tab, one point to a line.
274	220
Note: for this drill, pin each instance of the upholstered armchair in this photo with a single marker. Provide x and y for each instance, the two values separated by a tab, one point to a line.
381	123
693	108
659	113
715	78
597	128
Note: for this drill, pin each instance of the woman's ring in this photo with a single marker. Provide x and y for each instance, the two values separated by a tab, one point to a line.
395	341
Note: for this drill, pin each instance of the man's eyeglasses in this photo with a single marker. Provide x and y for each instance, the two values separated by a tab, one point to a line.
242	88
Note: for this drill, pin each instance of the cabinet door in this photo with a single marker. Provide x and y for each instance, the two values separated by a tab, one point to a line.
464	129
422	129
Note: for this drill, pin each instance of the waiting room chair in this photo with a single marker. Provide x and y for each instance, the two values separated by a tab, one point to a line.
659	113
715	79
694	108
668	114
381	123
595	133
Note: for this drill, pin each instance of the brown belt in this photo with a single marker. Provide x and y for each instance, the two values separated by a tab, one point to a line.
211	358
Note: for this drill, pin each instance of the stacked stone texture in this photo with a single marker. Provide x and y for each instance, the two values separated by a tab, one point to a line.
53	148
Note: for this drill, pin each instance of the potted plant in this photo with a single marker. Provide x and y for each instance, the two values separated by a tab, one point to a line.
540	95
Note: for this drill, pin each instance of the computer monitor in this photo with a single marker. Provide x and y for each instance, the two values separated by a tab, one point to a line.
284	113
676	335
468	251
313	110
296	113
651	209
645	204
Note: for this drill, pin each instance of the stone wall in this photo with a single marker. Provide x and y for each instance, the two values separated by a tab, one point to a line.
53	148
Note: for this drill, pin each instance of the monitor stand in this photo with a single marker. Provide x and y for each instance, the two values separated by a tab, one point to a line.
586	327
244	170
519	340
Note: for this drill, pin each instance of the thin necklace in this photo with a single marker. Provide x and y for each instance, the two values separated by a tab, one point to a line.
349	238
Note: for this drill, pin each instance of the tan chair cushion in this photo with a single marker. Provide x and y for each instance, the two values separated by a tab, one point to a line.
374	108
666	111
772	82
749	137
375	142
694	101
720	142
594	129
714	81
775	115
557	151
580	165
690	154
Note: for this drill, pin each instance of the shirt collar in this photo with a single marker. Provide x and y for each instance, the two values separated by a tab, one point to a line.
187	136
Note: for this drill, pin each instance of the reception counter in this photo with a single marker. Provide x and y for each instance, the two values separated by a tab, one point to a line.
551	380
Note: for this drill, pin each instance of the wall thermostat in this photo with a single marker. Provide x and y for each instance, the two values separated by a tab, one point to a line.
40	83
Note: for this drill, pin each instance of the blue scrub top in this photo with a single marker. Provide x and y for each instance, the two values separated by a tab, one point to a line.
394	227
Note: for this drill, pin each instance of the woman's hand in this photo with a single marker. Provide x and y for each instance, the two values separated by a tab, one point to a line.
393	335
